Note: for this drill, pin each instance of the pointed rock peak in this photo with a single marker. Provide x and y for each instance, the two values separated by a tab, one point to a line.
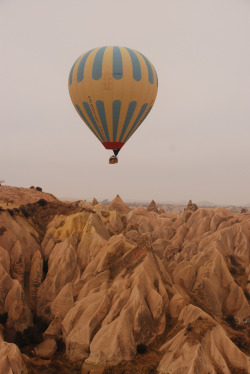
94	201
119	205
152	207
105	202
191	206
118	200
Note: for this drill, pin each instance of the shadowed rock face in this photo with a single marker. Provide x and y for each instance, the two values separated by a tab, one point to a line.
191	206
94	201
117	278
152	207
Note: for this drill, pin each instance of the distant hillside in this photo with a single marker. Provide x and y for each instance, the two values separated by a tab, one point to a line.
15	196
179	208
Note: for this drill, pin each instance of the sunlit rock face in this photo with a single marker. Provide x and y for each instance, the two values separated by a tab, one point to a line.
20	240
10	359
201	346
108	279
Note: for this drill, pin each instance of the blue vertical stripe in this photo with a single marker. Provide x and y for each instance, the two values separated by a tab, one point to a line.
150	71
139	123
130	112
85	119
136	65
71	72
93	121
143	108
116	116
80	70
117	63
102	115
97	65
148	112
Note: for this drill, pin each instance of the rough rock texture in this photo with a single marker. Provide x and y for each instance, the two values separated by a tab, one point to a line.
12	301
63	268
36	362
152	207
110	279
11	361
201	346
20	238
5	259
19	314
191	206
35	278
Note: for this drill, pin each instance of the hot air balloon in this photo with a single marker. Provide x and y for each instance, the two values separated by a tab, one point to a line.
113	90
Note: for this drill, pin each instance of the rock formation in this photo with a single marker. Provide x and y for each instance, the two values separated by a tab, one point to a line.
202	346
191	206
126	290
10	359
152	207
46	349
94	201
119	205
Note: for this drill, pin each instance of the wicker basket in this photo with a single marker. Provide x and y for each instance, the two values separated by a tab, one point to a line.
113	160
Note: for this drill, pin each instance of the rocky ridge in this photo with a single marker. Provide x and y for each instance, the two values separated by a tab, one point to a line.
169	293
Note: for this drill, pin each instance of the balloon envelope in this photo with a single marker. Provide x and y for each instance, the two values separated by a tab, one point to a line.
113	89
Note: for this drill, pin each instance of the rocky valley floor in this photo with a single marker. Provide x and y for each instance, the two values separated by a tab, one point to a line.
91	288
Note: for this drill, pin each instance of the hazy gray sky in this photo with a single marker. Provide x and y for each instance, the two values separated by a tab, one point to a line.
195	144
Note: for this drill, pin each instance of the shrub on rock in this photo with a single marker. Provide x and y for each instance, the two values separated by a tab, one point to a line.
42	202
